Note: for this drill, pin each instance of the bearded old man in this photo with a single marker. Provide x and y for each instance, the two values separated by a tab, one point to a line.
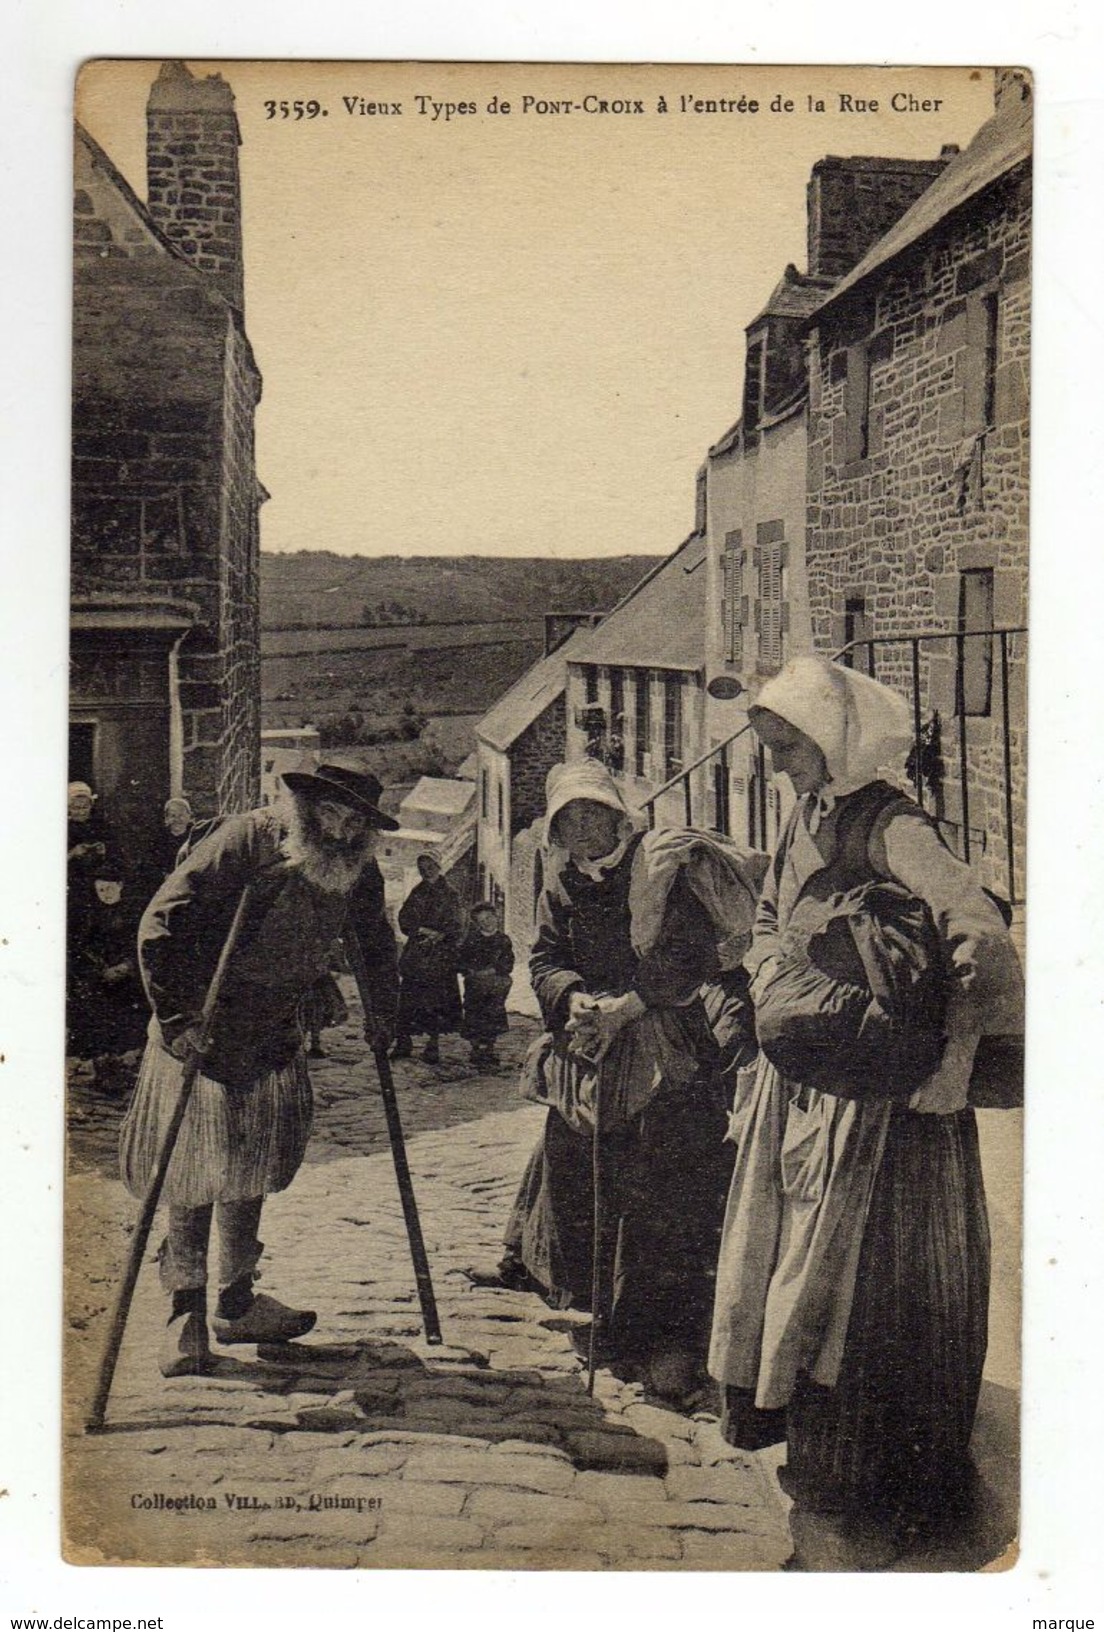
247	1123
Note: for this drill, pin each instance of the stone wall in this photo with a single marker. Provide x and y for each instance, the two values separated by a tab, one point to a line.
540	746
164	492
239	561
942	486
192	162
854	202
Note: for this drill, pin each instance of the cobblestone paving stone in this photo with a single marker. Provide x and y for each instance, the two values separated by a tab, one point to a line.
363	1446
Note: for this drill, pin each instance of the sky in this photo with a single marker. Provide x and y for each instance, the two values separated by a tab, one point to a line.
516	334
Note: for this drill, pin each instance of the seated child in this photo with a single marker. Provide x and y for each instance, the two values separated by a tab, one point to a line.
486	959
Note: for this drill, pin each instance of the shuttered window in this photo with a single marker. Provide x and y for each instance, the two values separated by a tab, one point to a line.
672	724
771	607
643	745
733	600
617	699
856	403
979	362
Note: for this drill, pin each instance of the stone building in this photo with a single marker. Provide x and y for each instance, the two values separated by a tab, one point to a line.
756	478
290	748
517	744
635	687
437	818
165	690
917	527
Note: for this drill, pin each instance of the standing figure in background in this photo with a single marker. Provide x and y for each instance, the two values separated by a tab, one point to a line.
486	962
90	846
105	1006
176	829
432	920
853	1282
322	1007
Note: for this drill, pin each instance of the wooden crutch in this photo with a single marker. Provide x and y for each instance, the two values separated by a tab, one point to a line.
95	1419
597	1288
430	1320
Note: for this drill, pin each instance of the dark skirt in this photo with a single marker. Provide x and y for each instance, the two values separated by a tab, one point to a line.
892	1437
429	993
666	1179
322	1005
485	1006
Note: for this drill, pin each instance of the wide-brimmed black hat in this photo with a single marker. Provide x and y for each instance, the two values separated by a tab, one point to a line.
358	789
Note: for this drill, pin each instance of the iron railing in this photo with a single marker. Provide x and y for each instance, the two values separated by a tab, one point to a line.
684	775
918	759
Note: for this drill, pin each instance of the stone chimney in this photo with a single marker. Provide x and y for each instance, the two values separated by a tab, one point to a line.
1011	85
192	142
854	202
560	626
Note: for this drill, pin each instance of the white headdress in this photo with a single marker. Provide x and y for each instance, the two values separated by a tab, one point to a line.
860	726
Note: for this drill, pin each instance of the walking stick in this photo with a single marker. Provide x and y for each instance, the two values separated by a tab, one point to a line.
597	1319
430	1320
121	1312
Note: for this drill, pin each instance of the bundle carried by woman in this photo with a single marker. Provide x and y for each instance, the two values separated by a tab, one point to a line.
856	1004
664	1046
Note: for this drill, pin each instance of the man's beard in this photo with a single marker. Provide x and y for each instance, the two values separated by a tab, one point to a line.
332	865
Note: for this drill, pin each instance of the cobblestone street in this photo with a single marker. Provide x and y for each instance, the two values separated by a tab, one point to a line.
363	1446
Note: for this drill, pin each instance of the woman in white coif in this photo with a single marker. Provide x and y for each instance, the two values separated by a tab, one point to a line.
852	1288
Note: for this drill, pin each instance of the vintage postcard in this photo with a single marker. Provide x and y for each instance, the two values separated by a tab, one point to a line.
546	795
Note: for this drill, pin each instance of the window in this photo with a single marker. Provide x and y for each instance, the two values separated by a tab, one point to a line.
672	724
979	361
721	809
643	745
163	523
590	682
856	403
734	605
617	699
991	315
82	753
753	387
484	794
771	609
701	500
124	526
857	626
501	808
975	611
615	749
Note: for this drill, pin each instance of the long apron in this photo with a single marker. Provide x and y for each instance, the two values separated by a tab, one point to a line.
852	1285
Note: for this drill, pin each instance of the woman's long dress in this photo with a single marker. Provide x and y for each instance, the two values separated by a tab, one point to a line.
667	1167
429	994
853	1281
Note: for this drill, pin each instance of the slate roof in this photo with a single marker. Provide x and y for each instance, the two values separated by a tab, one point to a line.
528	697
660	624
101	161
796	294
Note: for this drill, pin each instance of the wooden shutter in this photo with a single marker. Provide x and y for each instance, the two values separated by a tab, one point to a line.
770	604
733	569
856	394
978	361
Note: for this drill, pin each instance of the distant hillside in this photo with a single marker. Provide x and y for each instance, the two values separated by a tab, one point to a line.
318	589
397	658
